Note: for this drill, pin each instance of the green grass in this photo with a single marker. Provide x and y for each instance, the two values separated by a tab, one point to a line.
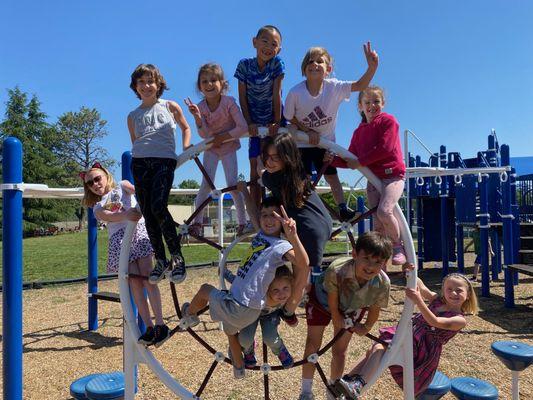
65	256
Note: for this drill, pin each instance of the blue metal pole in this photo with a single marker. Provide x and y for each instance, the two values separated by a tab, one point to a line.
484	230
444	217
507	232
419	220
12	270
92	275
361	209
495	244
515	223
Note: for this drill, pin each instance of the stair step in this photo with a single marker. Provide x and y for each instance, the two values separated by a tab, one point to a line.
526	243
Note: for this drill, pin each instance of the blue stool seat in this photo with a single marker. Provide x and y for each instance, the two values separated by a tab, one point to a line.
515	355
106	387
466	388
77	388
439	386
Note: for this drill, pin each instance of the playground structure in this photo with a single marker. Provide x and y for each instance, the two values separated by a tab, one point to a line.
15	188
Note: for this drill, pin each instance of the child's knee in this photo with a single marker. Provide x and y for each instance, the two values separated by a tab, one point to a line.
384	213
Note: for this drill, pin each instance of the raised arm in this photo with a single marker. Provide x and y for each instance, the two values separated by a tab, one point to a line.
251	207
372	60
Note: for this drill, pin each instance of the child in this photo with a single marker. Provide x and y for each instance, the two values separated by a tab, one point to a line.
285	177
348	287
260	93
248	294
312	106
376	143
432	329
278	293
115	204
151	127
218	116
476	239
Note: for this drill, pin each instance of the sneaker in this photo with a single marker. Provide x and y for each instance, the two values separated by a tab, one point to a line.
162	334
177	264
398	254
350	387
147	337
158	273
191	320
306	396
290	319
249	358
238	373
285	357
347	214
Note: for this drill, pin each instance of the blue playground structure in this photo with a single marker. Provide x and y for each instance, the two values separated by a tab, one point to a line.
481	193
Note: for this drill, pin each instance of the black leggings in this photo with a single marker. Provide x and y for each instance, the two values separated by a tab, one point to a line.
153	179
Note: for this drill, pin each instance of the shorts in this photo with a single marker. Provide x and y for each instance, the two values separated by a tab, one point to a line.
233	315
317	315
315	156
254	147
140	247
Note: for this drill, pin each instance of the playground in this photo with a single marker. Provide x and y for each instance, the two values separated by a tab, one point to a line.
58	348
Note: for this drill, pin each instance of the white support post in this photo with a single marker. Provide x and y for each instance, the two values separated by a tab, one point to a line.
129	361
516	391
407	194
408	365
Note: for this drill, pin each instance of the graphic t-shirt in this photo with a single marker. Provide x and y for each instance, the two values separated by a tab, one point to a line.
318	113
258	269
260	87
340	278
116	200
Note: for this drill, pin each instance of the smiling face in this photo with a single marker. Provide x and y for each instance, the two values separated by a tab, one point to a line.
96	181
455	292
367	266
318	67
371	104
210	85
146	87
280	290
268	45
270	225
272	160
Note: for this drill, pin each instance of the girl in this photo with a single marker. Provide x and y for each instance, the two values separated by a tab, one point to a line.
285	177
278	293
376	143
151	127
115	204
217	116
312	106
432	329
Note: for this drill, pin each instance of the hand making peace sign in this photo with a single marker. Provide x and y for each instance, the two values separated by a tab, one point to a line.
288	224
372	58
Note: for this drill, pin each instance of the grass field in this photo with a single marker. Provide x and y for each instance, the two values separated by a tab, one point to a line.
65	256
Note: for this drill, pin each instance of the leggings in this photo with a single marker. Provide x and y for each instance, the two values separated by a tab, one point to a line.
153	179
385	222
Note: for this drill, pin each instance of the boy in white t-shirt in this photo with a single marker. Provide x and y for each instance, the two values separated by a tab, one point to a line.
248	294
312	106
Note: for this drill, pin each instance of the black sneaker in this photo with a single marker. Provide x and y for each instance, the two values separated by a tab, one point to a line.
350	386
147	337
158	273
177	264
162	334
347	214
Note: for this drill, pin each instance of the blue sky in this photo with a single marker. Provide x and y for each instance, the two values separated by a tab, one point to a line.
452	70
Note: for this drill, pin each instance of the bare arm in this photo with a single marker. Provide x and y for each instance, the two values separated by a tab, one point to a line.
276	99
425	292
131	129
372	60
176	111
129	215
251	207
336	316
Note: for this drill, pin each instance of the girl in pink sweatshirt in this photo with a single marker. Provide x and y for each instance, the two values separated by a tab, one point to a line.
218	116
376	143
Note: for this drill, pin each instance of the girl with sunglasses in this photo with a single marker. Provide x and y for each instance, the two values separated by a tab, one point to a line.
115	204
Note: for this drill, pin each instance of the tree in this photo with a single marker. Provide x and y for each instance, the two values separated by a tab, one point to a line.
25	121
81	134
188	199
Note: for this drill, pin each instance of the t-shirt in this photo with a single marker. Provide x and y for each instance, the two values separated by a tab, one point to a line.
226	118
116	200
258	270
313	221
154	129
352	296
318	113
260	87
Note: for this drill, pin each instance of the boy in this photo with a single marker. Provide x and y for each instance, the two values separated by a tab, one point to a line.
260	93
349	287
248	294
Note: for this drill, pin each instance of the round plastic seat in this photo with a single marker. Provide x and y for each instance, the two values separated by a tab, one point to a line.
77	388
515	355
439	386
466	388
106	387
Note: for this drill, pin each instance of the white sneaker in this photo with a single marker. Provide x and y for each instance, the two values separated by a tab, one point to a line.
306	396
188	320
